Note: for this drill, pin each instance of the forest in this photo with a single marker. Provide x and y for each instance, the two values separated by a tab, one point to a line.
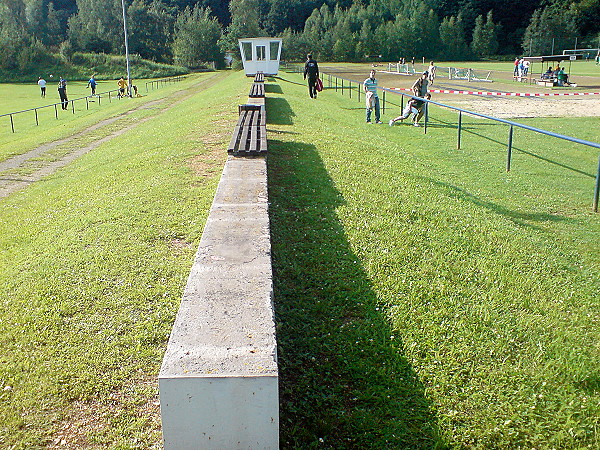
191	33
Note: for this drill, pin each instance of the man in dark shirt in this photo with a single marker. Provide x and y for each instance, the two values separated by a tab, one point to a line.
311	69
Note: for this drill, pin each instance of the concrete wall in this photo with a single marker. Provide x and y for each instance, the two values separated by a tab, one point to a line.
219	380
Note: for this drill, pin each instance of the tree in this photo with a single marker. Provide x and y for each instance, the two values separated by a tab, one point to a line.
97	27
485	36
452	37
551	29
150	27
197	34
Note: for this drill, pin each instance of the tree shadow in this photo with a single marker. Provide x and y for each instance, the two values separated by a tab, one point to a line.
344	379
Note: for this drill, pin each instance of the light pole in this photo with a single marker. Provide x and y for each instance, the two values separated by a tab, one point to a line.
126	49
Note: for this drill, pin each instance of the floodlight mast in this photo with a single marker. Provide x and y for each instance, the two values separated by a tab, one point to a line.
126	49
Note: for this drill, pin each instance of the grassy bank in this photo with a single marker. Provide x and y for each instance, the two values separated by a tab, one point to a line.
92	265
80	66
426	298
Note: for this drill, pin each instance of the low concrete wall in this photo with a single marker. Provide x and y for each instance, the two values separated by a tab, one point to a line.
219	380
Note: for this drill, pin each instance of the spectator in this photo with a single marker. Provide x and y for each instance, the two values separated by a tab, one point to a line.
372	99
42	85
516	71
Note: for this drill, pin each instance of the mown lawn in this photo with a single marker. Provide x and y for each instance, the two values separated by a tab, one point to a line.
93	260
425	297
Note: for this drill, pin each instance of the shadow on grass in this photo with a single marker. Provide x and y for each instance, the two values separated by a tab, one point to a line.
273	88
344	381
469	128
279	111
519	218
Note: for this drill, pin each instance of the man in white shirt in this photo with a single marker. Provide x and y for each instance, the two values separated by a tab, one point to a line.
42	85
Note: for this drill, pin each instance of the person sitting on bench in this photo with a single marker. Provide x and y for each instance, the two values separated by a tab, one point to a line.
548	74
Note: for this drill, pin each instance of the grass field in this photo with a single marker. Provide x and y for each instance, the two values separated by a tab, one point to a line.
425	298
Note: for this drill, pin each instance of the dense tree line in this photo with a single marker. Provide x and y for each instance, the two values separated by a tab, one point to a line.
191	32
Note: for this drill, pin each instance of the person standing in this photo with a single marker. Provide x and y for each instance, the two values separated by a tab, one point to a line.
311	70
92	84
42	85
431	70
370	88
516	71
419	87
122	86
62	92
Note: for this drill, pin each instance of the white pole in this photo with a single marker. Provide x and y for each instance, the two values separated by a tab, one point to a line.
126	49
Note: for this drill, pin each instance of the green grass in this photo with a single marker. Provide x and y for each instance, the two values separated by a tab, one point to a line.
93	261
426	298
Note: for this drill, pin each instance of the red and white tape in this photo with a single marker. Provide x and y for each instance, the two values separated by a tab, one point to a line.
508	94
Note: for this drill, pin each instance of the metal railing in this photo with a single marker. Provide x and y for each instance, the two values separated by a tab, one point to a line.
88	98
164	81
350	86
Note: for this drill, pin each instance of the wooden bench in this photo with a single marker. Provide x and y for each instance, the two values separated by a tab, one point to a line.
547	82
250	134
257	90
259	77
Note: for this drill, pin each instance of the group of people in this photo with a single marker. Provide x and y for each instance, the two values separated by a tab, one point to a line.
414	106
557	73
62	89
521	68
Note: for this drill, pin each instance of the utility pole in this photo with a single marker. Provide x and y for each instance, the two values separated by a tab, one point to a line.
126	49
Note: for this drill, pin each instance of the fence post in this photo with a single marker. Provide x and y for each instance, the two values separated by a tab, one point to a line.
87	104
597	188
350	88
342	86
36	117
426	106
510	138
12	125
335	84
459	129
73	106
56	111
383	102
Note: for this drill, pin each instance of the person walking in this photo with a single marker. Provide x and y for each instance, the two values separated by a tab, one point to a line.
372	99
62	92
311	70
431	70
42	85
92	84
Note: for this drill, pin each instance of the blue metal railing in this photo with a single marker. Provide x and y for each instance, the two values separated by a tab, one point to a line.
334	84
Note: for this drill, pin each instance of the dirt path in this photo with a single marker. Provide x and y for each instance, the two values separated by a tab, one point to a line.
32	162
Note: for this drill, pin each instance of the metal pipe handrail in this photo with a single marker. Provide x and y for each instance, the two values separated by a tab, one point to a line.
58	103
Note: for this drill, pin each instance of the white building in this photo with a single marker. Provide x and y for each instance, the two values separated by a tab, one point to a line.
260	55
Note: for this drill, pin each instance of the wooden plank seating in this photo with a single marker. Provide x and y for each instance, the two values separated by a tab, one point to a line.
250	133
257	90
